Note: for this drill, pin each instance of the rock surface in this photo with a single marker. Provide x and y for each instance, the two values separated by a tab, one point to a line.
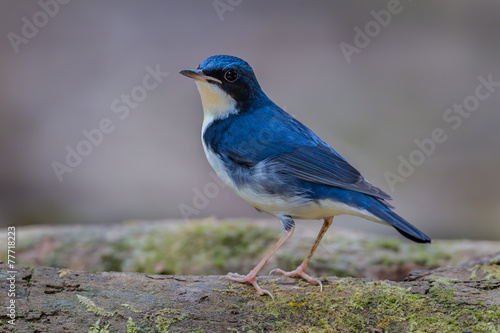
452	299
461	296
217	247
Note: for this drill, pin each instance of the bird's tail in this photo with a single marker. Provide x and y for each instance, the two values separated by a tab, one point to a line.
404	227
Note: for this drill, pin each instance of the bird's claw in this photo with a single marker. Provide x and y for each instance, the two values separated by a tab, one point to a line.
249	278
299	272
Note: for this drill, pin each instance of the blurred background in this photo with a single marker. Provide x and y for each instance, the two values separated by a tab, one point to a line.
67	69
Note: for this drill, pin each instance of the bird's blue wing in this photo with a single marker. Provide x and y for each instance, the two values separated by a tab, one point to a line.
319	165
297	151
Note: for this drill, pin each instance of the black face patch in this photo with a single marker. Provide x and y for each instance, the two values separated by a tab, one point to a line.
237	77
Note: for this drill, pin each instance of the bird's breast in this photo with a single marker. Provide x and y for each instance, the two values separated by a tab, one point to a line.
218	165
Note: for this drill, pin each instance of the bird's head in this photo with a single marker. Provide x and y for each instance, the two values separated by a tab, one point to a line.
226	84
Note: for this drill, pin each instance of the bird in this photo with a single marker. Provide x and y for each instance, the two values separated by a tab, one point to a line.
278	165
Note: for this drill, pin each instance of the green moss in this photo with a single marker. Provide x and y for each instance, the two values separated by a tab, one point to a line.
392	251
442	288
230	289
347	305
111	263
132	327
388	243
96	328
30	276
157	321
491	271
204	248
129	307
421	255
386	260
473	274
92	307
163	319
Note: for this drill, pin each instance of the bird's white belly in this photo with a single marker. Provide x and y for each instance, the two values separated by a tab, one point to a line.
299	207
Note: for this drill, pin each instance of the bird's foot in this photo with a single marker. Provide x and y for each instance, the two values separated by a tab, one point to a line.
249	278
299	272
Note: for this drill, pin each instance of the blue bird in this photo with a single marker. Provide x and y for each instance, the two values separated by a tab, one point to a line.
278	165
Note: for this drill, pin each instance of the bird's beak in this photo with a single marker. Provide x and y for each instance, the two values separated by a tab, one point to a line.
198	75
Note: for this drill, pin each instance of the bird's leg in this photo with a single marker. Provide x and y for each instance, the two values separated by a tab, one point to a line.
252	276
300	271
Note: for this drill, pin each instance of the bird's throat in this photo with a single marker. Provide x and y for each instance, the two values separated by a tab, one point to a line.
217	104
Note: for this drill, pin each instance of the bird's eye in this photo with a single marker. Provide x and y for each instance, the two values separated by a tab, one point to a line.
231	75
